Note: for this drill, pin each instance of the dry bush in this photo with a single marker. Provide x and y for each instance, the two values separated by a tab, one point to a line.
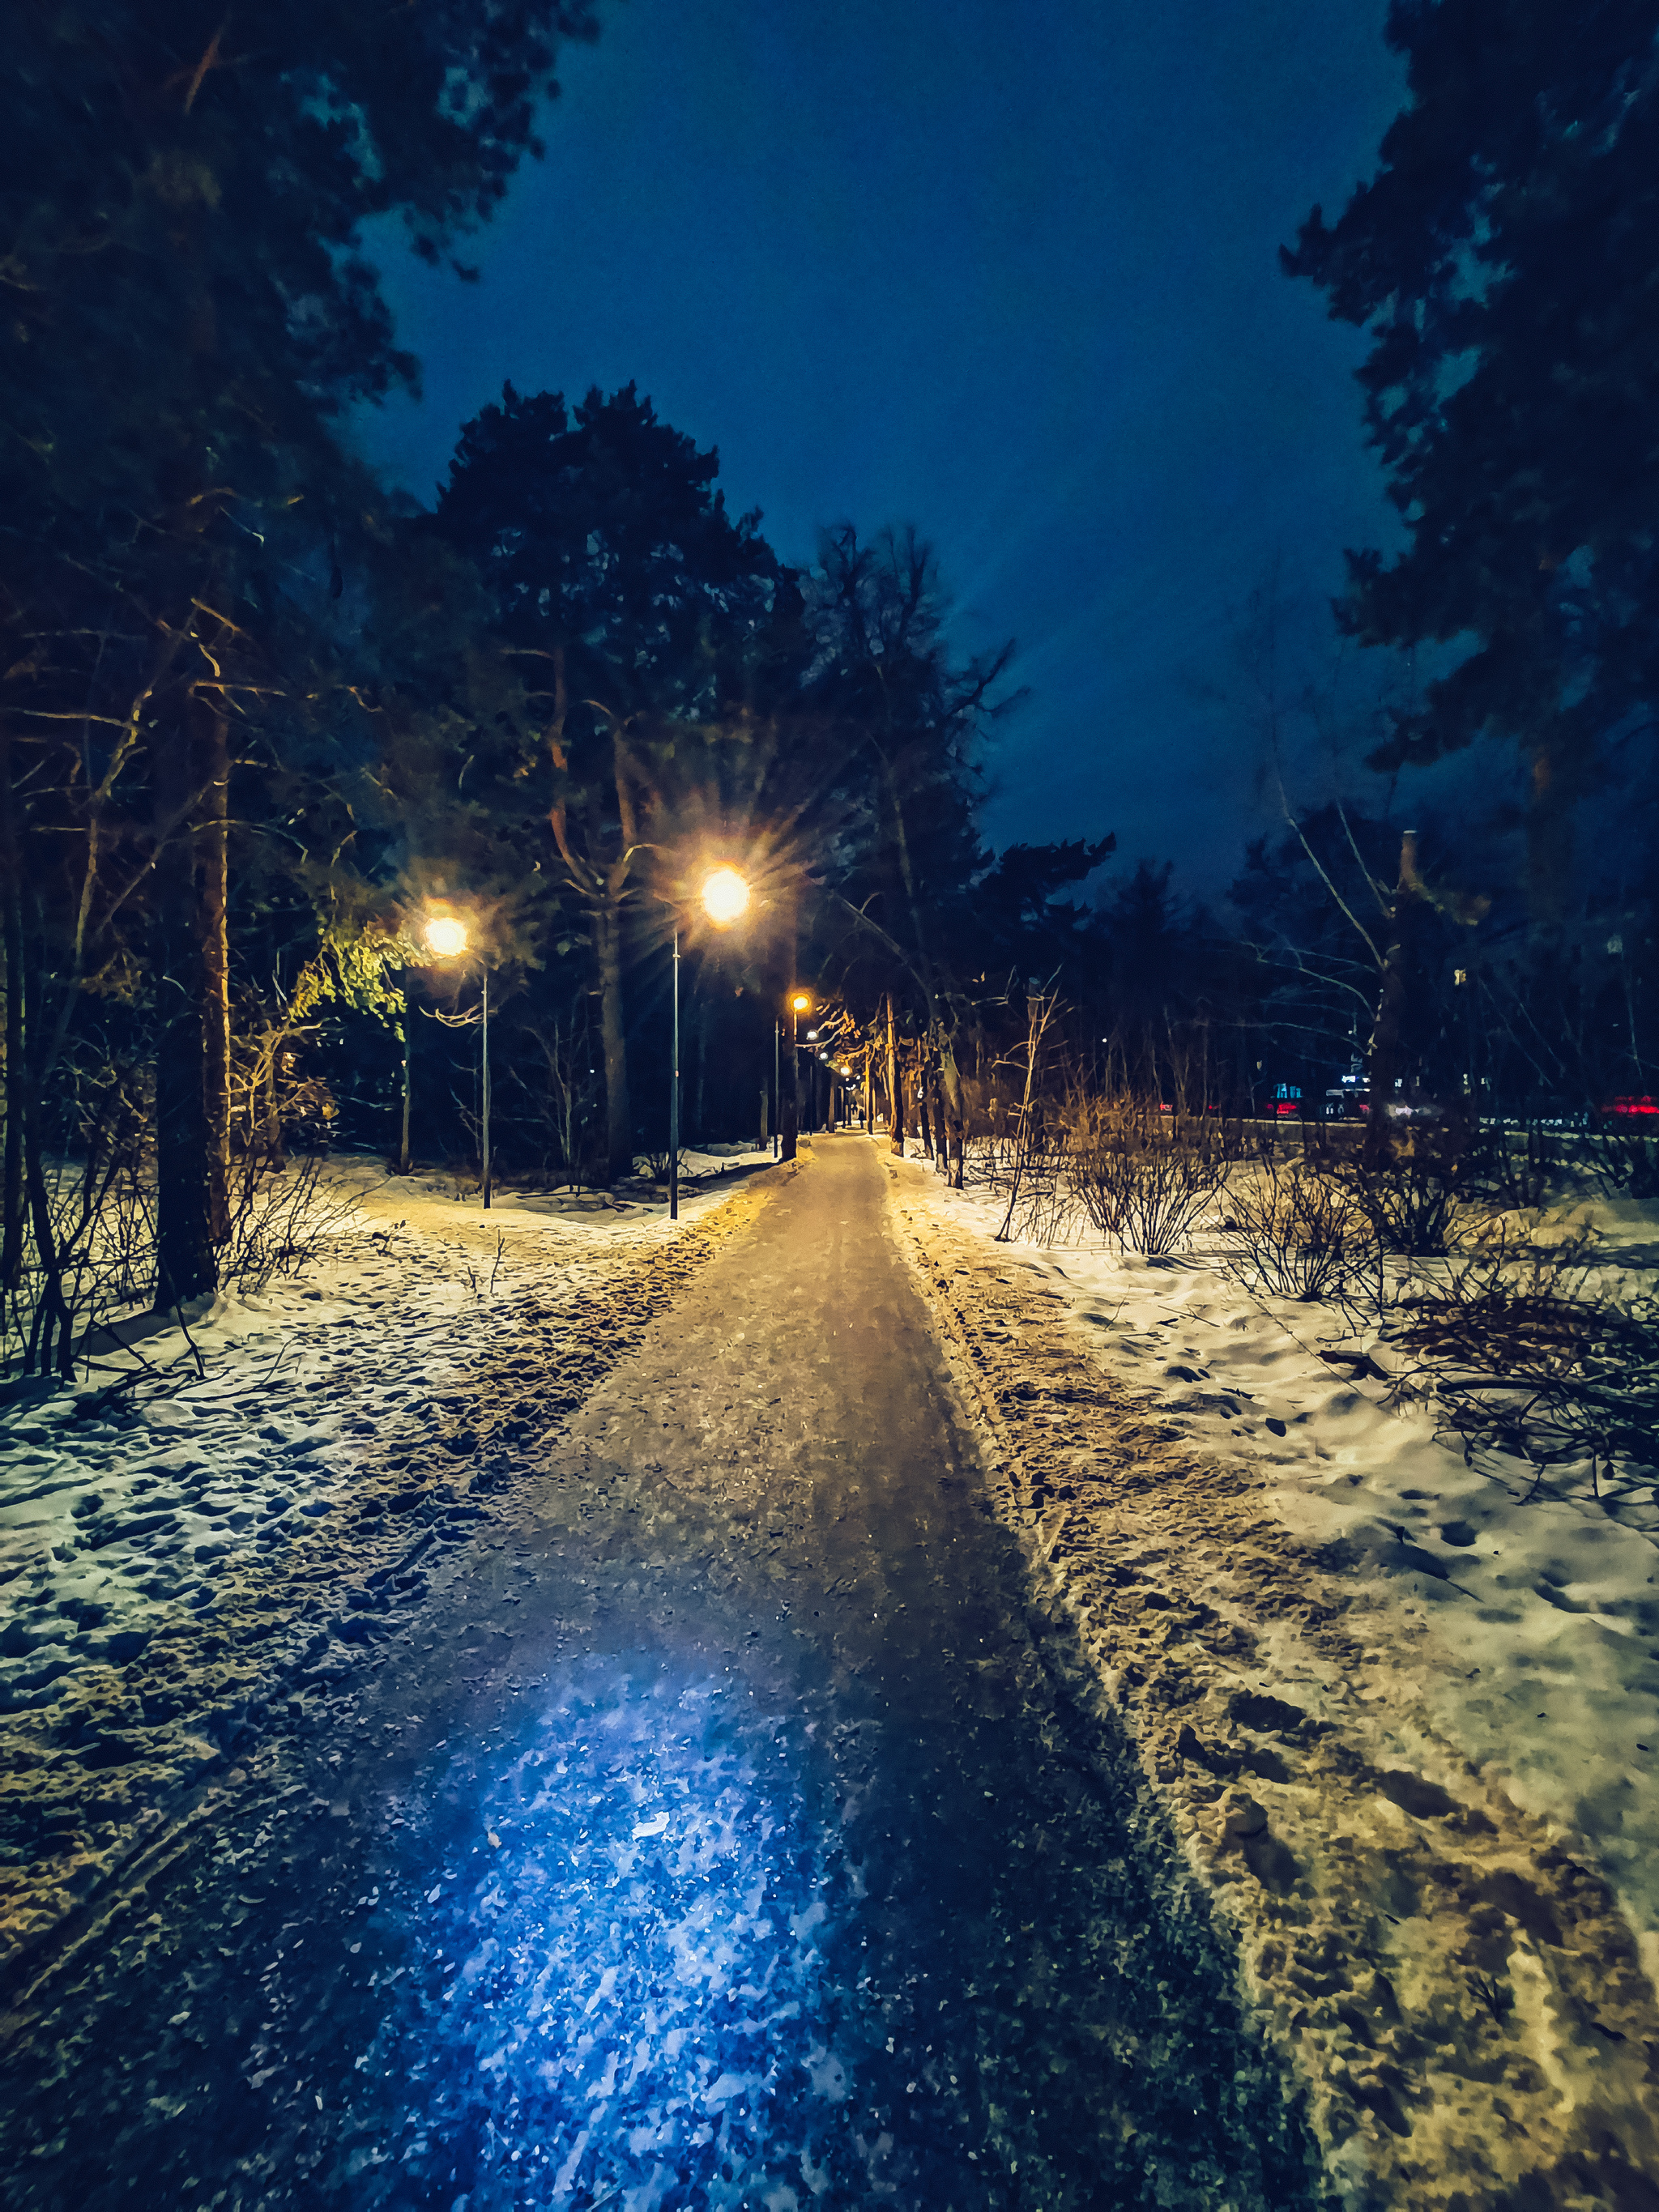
88	1225
103	1225
1624	1165
1140	1179
1525	1354
1043	1211
1296	1232
1412	1203
281	1217
1517	1172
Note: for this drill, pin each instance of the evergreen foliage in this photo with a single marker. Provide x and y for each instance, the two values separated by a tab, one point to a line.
1504	260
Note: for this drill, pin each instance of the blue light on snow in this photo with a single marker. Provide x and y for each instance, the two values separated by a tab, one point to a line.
621	1991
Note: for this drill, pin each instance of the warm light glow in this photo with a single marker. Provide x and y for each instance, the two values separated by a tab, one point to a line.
446	935
726	894
800	1002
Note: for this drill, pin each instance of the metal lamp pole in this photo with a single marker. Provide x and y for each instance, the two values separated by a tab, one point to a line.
409	1075
485	1116
674	1095
794	1056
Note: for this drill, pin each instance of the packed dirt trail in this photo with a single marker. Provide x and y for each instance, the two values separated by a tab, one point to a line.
731	1829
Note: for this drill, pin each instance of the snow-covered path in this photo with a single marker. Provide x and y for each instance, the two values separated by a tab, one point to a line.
723	1826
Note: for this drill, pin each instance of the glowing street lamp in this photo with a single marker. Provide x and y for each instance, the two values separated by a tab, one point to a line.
447	936
724	897
800	1002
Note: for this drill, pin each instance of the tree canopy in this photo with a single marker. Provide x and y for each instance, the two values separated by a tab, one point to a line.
1505	259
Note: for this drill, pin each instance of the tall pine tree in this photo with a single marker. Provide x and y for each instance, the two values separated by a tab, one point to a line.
1505	259
188	303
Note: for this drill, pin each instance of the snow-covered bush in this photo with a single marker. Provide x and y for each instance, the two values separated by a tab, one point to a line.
1626	1165
280	1220
1525	1351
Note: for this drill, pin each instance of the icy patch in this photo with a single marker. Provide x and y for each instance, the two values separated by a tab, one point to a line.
628	1952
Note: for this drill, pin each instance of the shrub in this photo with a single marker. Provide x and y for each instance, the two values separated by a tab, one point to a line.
1522	1353
1142	1180
1411	1202
1295	1230
1626	1165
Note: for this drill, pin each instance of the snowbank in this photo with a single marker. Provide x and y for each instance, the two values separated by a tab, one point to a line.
1404	1710
213	1522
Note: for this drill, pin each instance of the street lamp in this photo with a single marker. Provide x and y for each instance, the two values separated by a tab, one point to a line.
446	937
724	897
800	1002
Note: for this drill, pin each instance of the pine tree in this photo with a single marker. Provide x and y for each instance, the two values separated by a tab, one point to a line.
615	568
189	306
1505	259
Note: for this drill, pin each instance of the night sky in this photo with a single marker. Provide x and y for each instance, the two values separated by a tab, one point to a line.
1008	274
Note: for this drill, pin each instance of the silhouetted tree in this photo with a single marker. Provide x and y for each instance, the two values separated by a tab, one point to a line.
1506	259
610	558
183	203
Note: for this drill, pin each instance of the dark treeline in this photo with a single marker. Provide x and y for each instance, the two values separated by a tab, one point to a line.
262	718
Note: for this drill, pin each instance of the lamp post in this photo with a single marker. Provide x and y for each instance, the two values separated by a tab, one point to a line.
725	896
674	1092
404	1160
447	936
799	1003
483	1101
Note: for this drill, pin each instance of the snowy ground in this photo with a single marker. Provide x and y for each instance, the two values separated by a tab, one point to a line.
720	1831
1413	1768
222	1512
1424	1672
1546	1595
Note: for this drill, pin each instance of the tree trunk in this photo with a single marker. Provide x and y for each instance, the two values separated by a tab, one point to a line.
955	1135
894	1086
52	1339
789	1097
618	1118
1387	1057
269	1131
1549	835
212	768
954	1106
16	1079
185	1263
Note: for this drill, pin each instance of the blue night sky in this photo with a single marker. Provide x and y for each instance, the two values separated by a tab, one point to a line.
1007	274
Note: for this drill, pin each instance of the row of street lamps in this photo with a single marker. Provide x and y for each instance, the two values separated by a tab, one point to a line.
725	896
